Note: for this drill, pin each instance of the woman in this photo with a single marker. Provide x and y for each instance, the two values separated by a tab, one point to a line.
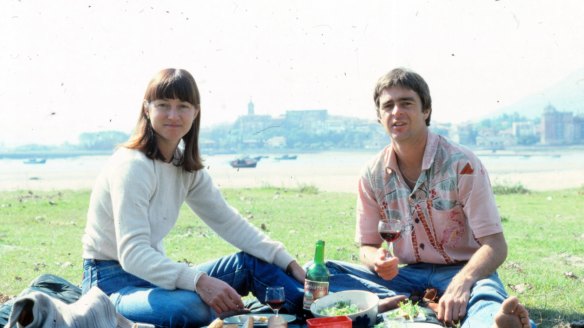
135	203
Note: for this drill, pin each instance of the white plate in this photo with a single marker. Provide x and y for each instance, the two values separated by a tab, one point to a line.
418	322
411	324
259	319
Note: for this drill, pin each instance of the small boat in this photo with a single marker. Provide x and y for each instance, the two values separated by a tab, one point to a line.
35	161
287	157
244	162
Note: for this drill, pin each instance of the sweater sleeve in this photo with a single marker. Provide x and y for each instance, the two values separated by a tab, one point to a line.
205	199
132	185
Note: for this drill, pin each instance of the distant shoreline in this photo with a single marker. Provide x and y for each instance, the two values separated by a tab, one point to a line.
54	154
538	150
327	171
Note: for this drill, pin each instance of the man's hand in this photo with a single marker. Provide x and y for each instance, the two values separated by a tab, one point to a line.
452	305
385	267
218	295
493	251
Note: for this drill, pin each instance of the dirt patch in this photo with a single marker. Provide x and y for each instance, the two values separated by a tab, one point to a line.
573	260
4	298
514	266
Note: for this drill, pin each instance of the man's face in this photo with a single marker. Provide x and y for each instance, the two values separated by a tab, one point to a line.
400	113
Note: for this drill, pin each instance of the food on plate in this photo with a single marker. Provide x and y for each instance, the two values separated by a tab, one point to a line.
217	323
407	310
340	308
260	319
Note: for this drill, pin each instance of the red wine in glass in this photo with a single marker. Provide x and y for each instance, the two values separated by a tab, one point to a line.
390	236
275	304
390	230
275	298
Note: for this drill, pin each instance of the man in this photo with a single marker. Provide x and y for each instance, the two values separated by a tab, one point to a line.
453	240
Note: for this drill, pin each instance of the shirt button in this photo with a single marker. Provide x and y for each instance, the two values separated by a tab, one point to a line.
422	246
417	220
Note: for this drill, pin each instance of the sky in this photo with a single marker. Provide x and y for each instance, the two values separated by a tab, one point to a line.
74	66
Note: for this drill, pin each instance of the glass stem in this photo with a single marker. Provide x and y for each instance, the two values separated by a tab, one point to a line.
389	250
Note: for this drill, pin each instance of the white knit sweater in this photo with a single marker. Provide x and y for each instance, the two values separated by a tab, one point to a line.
135	203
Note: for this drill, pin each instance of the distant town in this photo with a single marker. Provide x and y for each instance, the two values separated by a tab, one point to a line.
316	130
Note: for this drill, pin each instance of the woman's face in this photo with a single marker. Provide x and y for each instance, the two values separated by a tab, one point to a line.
171	119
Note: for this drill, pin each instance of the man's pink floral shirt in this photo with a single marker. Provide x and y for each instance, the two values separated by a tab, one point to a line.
451	206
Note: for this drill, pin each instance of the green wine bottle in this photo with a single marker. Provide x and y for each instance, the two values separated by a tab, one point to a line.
316	284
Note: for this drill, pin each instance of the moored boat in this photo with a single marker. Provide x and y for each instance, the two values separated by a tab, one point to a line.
246	162
35	161
287	157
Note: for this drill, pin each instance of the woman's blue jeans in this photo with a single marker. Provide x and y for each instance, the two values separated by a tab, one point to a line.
485	300
141	301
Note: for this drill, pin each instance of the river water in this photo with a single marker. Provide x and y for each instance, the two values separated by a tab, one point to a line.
329	171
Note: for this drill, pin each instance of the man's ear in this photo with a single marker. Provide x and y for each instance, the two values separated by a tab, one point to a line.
427	112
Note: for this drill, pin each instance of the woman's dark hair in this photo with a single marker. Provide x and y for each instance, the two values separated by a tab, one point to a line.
170	83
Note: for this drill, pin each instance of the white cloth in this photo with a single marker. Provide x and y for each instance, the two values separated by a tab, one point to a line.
92	310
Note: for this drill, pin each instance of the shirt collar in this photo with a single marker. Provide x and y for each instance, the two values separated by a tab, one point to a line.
429	153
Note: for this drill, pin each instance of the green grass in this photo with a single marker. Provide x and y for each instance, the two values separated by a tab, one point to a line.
504	189
40	232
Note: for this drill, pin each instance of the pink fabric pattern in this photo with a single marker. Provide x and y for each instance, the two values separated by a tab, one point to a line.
451	205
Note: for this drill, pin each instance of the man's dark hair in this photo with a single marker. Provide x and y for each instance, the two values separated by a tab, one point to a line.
408	79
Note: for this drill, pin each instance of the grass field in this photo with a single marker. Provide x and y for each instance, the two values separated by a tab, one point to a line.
40	232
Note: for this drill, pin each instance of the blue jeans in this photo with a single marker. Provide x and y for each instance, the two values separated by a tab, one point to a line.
485	300
141	301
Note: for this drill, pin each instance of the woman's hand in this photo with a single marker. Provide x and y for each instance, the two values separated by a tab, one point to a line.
218	295
295	270
386	268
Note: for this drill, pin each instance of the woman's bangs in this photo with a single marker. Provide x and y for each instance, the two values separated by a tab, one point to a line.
176	87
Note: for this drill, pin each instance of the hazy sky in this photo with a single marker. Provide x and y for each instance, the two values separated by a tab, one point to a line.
74	66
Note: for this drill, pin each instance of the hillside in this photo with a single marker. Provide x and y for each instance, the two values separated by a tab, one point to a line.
566	96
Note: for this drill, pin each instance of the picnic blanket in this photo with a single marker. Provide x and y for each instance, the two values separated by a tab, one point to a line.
49	284
52	301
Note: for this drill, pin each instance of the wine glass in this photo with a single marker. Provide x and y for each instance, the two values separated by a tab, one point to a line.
275	298
390	230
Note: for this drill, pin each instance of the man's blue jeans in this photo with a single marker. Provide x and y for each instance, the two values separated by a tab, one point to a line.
140	301
485	300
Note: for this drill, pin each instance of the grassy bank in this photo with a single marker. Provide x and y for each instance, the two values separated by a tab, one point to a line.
41	232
